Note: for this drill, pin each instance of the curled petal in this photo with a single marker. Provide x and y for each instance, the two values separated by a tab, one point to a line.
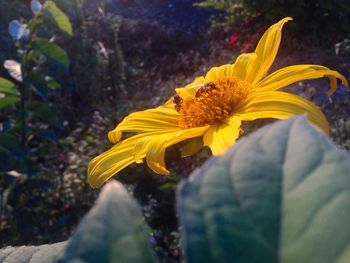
121	155
156	147
192	146
281	105
289	75
149	145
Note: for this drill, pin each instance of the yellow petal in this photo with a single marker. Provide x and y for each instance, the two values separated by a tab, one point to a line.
267	48
190	90
220	137
107	164
245	67
216	73
121	155
288	75
156	147
149	145
155	157
281	105
159	119
192	146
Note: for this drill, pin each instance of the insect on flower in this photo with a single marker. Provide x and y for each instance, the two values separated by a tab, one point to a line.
210	110
206	87
177	102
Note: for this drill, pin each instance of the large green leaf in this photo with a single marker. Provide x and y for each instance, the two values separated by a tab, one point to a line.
8	87
113	231
52	51
8	101
55	14
280	195
32	254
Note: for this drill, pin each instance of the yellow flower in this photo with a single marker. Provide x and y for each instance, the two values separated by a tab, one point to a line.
209	111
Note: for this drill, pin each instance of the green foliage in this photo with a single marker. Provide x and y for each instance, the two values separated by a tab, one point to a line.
8	101
279	195
221	5
27	98
51	51
51	10
113	231
7	87
315	20
29	125
44	112
117	219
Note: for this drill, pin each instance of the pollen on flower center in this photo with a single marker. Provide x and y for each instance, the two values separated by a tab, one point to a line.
213	102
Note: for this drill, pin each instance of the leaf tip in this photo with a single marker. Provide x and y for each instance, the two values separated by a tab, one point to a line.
110	189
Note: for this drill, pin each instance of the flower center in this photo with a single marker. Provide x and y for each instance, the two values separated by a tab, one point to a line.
213	102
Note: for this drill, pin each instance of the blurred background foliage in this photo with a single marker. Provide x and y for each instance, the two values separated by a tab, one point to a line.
316	23
120	56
